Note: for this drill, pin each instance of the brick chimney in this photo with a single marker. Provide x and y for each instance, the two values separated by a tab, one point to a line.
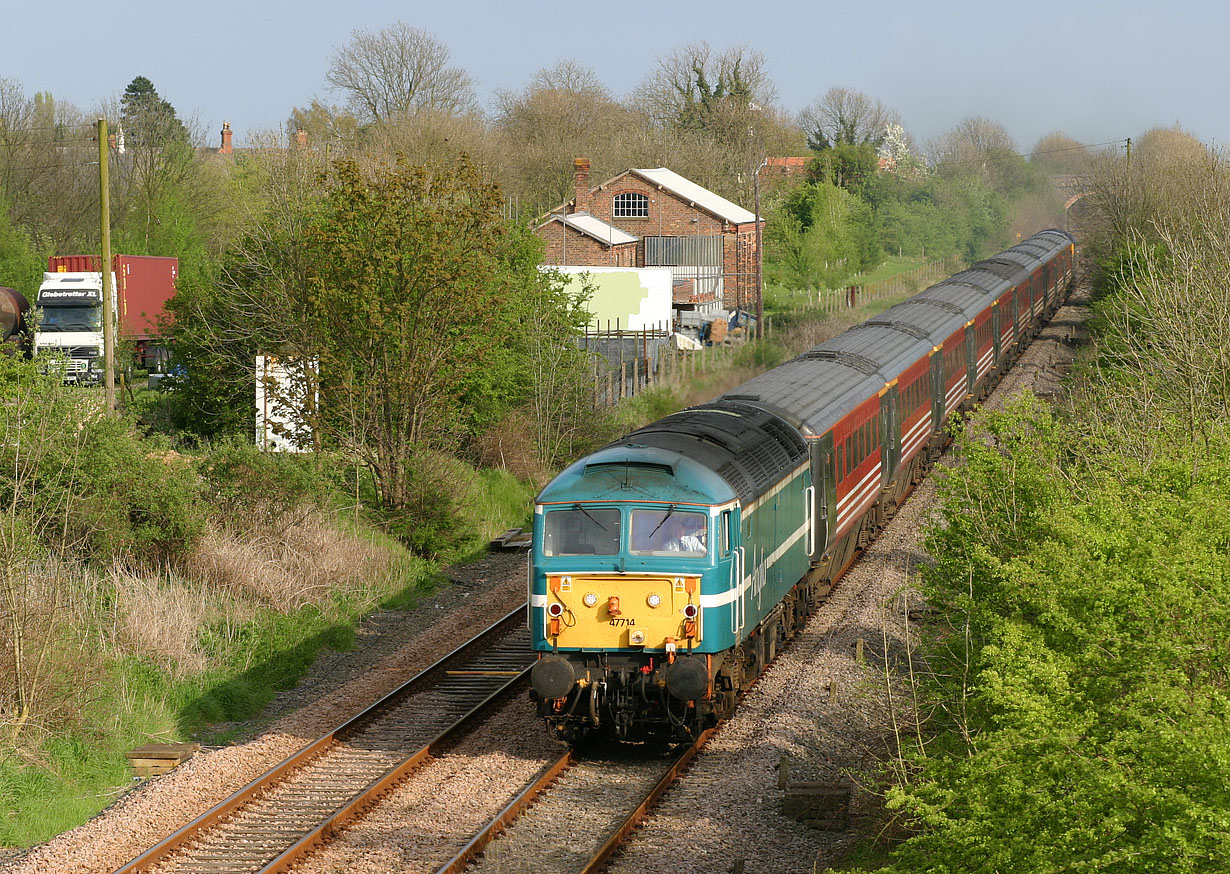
580	167
300	139
226	139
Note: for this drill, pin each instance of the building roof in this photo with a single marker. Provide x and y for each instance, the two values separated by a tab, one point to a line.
593	227
702	197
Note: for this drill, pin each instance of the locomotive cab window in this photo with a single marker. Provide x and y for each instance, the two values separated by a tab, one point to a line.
669	532
581	531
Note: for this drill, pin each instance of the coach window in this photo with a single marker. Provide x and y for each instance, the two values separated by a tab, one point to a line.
630	204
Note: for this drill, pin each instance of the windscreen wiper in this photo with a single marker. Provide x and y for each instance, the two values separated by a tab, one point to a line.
589	517
670	510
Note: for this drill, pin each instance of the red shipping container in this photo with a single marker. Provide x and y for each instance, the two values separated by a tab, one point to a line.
145	283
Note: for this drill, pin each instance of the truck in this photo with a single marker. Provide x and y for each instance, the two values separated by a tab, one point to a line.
70	301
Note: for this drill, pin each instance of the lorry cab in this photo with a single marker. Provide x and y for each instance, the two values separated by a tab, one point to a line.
71	323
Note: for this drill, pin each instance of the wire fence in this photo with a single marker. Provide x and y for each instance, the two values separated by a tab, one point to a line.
831	300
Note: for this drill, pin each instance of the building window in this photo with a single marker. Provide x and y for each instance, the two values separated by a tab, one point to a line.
631	205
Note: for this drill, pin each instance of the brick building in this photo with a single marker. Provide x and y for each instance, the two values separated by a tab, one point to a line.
708	242
580	239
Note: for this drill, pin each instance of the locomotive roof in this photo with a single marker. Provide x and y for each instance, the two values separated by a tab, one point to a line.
709	454
750	447
636	471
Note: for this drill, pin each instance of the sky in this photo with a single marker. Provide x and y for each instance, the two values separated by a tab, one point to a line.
1095	71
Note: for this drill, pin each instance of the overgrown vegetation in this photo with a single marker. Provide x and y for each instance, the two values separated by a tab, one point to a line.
1079	682
849	213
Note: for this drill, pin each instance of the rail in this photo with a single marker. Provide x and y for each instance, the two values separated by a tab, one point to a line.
466	681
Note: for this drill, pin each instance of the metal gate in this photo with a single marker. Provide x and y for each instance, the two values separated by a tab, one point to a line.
697	258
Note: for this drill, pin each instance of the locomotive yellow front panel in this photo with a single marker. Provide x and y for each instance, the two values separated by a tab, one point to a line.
620	611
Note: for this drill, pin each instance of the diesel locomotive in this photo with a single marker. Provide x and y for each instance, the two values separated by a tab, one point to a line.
668	568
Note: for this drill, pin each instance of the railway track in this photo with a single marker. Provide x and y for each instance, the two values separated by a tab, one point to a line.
274	820
576	815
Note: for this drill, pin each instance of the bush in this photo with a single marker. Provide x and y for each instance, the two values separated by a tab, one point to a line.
86	483
136	503
251	488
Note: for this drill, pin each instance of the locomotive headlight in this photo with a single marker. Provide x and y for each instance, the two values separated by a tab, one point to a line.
590	599
654	599
636	638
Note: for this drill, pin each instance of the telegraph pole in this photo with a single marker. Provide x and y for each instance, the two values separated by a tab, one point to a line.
108	310
759	254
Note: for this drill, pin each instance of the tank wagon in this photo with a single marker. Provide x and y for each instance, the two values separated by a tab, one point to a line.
667	568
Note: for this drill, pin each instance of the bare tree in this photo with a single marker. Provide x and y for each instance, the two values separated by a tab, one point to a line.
45	175
568	75
432	135
1169	147
397	71
846	116
974	140
694	81
1057	152
564	112
711	116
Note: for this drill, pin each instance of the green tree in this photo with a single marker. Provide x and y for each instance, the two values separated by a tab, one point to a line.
420	305
156	175
1079	674
411	271
148	120
820	235
846	165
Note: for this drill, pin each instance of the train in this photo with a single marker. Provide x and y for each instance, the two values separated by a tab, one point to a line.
668	568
